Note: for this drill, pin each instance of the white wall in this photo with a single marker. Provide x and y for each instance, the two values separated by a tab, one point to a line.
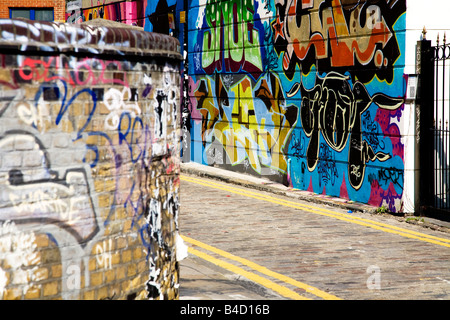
434	15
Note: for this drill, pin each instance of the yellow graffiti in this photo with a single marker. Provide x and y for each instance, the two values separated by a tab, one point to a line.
262	137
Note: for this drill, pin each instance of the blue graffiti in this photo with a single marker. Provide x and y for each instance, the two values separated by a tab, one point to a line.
129	133
51	92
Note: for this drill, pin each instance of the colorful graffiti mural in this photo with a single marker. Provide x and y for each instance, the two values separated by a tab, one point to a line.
338	35
244	133
309	93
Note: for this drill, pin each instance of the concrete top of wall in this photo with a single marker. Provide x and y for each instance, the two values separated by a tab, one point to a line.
116	39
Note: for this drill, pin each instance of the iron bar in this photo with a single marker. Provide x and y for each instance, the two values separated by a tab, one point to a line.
437	127
445	172
441	124
443	157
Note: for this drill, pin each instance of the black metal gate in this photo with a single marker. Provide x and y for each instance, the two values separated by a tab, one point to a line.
433	68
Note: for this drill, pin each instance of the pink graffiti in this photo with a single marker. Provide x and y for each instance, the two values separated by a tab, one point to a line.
391	130
343	193
379	197
41	70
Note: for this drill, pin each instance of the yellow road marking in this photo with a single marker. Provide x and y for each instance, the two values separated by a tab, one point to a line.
325	212
249	275
260	269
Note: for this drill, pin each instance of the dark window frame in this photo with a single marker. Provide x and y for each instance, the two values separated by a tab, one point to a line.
33	11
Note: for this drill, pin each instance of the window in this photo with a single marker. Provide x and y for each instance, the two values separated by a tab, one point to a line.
42	14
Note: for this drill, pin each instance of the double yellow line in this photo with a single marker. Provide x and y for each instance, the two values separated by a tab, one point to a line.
322	211
282	290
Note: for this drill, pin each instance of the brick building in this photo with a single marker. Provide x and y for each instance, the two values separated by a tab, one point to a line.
47	10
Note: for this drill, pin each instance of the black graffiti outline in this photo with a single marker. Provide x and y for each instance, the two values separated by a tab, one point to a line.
391	11
334	108
391	174
16	179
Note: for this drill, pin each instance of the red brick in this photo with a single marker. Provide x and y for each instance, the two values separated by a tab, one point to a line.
59	7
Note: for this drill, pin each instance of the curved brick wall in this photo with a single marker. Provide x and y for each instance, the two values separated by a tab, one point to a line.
89	162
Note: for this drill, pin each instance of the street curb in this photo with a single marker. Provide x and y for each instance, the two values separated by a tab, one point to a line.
261	184
266	185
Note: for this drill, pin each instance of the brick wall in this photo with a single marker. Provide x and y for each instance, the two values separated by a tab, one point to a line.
89	163
58	5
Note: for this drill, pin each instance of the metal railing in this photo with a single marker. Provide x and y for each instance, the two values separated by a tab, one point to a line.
440	129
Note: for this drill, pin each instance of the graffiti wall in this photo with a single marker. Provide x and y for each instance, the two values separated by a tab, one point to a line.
308	93
89	163
154	16
129	12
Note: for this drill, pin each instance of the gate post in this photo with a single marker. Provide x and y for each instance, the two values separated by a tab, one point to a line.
424	126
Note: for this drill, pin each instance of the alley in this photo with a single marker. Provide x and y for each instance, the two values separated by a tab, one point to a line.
290	249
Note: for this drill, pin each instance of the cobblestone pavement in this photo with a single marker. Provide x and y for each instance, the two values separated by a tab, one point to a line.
265	240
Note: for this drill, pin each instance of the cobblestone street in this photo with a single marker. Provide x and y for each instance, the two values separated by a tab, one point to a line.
302	250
